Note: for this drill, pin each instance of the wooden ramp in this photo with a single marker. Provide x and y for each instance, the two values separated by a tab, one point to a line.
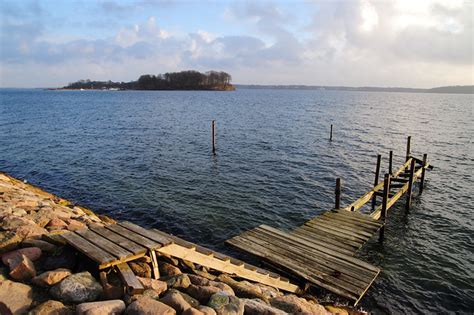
321	250
115	245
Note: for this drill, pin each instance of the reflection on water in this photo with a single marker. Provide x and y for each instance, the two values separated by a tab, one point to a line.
145	157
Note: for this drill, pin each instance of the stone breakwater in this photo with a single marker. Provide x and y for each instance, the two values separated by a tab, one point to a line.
39	274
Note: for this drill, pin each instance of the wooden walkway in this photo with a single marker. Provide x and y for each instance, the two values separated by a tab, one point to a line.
114	245
322	250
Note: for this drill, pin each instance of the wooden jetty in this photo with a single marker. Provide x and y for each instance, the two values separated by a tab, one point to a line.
321	251
112	246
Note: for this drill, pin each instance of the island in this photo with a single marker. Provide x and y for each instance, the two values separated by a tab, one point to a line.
183	80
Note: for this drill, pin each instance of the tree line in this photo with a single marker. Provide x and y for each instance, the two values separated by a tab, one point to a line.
183	80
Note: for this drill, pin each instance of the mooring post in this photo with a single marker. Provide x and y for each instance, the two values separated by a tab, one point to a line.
422	180
338	194
330	135
383	213
214	137
410	184
408	148
376	181
390	163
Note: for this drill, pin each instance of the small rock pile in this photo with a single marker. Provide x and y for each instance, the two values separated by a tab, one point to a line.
40	275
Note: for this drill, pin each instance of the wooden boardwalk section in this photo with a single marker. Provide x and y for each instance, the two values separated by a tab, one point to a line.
112	246
321	251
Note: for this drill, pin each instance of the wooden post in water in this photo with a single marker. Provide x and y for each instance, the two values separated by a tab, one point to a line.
338	194
390	163
410	184
376	181
408	148
330	135
422	180
214	137
383	214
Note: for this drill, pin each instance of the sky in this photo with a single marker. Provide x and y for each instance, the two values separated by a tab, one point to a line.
407	43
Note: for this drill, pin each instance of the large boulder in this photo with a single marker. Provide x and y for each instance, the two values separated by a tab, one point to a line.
293	304
148	306
100	308
192	311
175	300
259	307
9	240
179	281
31	231
243	289
51	307
22	269
157	285
15	298
140	268
198	280
33	253
201	293
167	269
77	288
52	277
43	245
56	224
225	304
206	310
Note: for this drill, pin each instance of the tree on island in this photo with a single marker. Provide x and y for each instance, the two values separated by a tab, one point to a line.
183	80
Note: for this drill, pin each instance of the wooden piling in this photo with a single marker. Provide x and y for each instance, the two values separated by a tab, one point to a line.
408	148
330	135
376	181
410	184
383	213
214	137
390	163
338	194
422	180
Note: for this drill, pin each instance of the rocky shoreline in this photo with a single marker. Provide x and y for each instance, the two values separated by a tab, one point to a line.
40	275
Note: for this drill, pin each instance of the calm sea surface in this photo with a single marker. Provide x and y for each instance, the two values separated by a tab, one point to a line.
145	157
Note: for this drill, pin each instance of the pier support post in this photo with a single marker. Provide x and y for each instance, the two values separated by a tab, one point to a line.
408	148
214	137
330	135
422	180
390	163
410	184
383	214
376	181
338	194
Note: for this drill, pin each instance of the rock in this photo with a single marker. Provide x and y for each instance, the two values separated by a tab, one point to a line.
148	306
32	253
140	268
8	241
17	303
56	224
19	212
205	274
167	270
74	225
50	278
157	285
192	311
176	301
51	307
77	288
336	310
206	310
225	304
178	281
43	245
192	301
111	291
12	223
201	293
259	307
100	308
22	269
106	219
267	291
243	289
3	273
151	294
64	259
293	304
31	231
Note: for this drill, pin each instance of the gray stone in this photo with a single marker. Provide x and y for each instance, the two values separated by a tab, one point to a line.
178	281
77	288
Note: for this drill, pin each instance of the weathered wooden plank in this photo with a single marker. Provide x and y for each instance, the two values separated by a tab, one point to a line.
310	231
146	233
131	282
104	244
143	241
338	230
364	223
119	240
178	251
323	239
88	249
349	225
